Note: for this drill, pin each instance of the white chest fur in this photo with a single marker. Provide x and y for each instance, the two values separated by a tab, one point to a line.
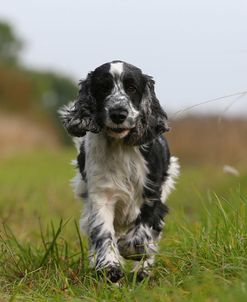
116	174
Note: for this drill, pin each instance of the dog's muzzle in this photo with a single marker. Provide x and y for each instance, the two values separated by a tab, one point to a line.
120	120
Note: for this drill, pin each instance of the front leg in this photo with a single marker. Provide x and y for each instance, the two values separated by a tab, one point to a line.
104	253
140	242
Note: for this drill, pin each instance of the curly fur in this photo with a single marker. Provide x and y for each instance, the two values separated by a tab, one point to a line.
125	171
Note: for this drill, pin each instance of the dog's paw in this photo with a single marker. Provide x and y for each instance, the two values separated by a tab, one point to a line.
114	273
132	249
140	275
137	244
111	273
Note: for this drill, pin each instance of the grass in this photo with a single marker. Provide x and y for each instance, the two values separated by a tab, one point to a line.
203	252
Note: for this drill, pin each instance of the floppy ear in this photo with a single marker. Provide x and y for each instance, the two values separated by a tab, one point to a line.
80	115
152	119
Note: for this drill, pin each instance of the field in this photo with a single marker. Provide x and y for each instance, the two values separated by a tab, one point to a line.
203	252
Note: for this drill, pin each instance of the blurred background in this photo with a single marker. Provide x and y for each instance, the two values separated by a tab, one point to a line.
195	50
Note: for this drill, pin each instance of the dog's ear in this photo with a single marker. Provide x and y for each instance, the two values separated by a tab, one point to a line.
156	117
152	120
80	116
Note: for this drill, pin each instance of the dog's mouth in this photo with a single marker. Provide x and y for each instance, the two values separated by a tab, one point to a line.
118	132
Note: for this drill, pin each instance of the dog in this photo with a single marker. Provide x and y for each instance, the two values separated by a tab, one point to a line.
125	170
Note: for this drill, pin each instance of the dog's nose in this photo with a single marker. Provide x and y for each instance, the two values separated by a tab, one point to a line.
118	115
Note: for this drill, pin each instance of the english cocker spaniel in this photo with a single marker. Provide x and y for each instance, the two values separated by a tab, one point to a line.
125	171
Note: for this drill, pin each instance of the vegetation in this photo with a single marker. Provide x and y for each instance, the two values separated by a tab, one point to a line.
209	139
30	93
10	45
43	257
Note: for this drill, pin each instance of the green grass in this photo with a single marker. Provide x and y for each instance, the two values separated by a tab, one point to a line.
203	251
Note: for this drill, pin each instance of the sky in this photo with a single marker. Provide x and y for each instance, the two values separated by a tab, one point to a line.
195	50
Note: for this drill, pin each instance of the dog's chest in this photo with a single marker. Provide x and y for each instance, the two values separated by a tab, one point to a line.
118	172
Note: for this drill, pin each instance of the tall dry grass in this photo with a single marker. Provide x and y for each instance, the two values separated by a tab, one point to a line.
200	139
18	133
194	139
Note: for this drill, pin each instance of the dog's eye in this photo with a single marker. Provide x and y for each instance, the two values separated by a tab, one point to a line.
106	87
131	89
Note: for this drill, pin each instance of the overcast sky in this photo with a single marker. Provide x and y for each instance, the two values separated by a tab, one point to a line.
196	50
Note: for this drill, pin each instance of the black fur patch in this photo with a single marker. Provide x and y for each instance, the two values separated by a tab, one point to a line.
81	161
157	156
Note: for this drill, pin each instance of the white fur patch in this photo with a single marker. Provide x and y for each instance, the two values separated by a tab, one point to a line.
169	184
63	112
79	185
116	174
116	69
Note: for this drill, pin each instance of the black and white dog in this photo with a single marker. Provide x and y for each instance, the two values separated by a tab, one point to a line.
125	171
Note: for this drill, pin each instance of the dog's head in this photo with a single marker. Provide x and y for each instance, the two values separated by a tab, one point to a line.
118	99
